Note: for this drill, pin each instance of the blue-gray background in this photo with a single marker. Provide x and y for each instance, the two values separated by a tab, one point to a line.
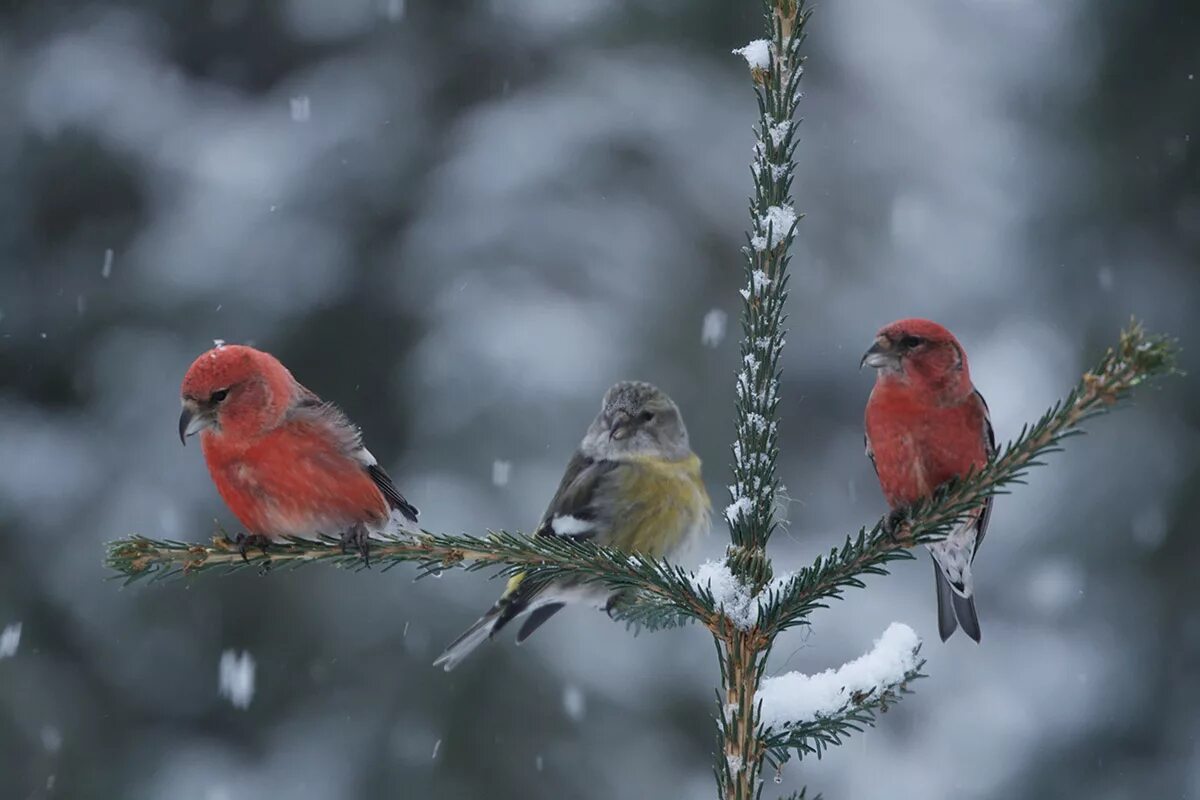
483	214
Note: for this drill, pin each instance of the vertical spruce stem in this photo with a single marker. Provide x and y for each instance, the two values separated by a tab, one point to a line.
751	512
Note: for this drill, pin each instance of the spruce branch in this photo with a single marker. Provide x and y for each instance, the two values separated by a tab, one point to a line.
816	736
773	222
655	593
1138	357
649	612
810	713
775	68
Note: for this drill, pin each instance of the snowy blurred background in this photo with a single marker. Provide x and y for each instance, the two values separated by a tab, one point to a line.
462	220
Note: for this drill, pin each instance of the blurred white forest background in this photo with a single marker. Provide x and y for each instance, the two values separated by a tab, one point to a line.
462	221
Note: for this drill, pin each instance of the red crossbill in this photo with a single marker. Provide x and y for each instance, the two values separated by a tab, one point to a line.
927	424
285	462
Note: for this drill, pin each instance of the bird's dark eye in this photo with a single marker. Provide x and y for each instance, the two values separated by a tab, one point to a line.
218	395
909	342
646	416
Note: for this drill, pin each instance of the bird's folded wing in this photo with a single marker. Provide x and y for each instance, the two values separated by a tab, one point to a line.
390	492
308	406
575	510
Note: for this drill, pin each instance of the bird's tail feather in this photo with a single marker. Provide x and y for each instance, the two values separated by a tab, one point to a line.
513	602
947	624
471	638
964	609
536	617
410	512
954	608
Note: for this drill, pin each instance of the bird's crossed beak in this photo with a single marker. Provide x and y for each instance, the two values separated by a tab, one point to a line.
620	426
881	354
192	420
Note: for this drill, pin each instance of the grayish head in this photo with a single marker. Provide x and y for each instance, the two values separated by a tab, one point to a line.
636	419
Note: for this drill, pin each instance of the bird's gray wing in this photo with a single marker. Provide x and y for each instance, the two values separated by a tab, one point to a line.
576	513
576	510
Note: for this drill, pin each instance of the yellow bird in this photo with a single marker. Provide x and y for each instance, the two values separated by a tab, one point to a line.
634	484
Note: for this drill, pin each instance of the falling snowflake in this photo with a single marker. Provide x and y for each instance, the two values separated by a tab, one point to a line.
52	739
301	108
500	472
712	333
573	703
237	678
10	640
394	10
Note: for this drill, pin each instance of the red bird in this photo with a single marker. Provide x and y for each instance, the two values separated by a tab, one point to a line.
927	424
286	463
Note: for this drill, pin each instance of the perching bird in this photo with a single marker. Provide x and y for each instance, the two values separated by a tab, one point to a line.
634	484
926	424
286	463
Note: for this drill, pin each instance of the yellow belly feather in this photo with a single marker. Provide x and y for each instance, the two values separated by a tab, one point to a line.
661	503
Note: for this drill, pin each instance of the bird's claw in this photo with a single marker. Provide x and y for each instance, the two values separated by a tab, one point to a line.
615	603
247	542
358	537
894	523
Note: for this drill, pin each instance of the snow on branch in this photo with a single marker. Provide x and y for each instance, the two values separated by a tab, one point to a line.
795	698
757	54
731	596
777	222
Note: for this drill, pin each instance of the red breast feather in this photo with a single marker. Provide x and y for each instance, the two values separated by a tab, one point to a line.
294	480
918	445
